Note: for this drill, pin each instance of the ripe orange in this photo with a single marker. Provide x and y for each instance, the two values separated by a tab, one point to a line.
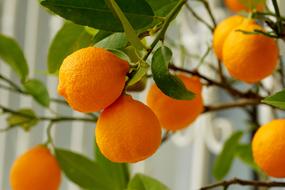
222	31
249	57
91	79
176	114
128	131
268	147
37	169
237	5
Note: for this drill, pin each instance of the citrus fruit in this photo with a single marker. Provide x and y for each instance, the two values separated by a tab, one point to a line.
222	31
176	114
249	57
91	79
239	5
127	131
268	147
36	169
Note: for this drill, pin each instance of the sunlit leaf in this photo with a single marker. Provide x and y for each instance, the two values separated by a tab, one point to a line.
143	182
113	41
26	119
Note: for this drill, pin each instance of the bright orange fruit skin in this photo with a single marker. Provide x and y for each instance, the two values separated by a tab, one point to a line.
237	6
249	57
91	79
36	169
222	31
176	114
128	131
268	147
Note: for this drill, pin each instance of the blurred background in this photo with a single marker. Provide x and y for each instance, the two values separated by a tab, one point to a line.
184	162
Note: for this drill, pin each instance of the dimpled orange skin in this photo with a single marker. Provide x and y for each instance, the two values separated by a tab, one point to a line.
249	57
176	114
128	131
222	31
91	79
268	148
36	169
237	6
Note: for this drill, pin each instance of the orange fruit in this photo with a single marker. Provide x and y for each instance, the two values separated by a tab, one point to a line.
37	169
176	114
249	57
222	31
268	148
128	131
91	79
239	5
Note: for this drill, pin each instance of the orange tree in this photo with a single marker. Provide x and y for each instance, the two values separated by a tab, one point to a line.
100	55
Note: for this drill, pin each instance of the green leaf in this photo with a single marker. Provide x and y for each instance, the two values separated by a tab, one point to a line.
120	54
244	153
38	90
224	160
162	7
277	100
12	54
252	4
26	119
129	30
82	171
117	171
96	14
139	73
143	182
69	38
114	41
169	84
100	35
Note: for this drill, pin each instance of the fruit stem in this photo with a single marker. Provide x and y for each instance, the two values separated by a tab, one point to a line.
49	136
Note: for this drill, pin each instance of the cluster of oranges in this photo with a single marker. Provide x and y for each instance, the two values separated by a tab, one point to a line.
93	79
251	58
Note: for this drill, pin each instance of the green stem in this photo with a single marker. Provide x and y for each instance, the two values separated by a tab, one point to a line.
278	16
49	136
164	27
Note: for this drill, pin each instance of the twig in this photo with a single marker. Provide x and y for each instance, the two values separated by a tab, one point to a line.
199	18
207	6
43	118
222	85
242	182
230	105
278	16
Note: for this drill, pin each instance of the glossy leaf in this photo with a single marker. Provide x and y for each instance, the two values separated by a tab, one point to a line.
224	160
38	90
143	182
12	54
117	171
69	38
277	100
26	119
169	84
120	54
100	35
83	171
114	41
96	14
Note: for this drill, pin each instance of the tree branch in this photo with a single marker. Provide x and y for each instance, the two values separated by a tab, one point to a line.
243	182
